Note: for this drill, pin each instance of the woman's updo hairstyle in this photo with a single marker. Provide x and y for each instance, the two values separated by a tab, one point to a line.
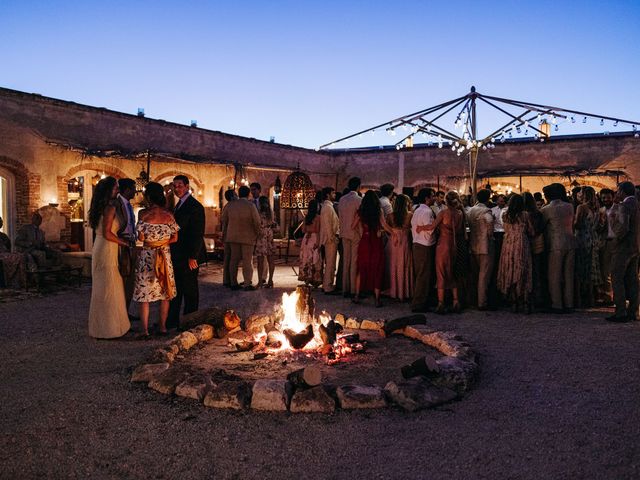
154	194
452	199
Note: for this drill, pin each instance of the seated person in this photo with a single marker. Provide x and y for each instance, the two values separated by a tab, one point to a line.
30	241
12	266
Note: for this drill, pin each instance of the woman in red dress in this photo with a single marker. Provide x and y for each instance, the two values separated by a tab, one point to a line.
370	222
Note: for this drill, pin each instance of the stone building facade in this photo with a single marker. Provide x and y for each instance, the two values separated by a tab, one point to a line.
46	145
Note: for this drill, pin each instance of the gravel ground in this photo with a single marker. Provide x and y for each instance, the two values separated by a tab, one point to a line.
558	397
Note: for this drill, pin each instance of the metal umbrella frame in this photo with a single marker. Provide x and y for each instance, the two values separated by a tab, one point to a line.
429	122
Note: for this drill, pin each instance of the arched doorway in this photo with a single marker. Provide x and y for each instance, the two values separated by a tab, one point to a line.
7	201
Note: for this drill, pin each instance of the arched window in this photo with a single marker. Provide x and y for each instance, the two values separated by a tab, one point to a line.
7	201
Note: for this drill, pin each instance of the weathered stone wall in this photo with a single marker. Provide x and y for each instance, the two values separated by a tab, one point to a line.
45	142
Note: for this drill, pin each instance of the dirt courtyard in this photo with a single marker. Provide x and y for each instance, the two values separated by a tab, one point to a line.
558	397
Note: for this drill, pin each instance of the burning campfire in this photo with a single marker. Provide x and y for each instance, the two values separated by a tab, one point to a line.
294	327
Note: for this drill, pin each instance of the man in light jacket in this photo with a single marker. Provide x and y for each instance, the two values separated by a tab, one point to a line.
241	226
347	210
329	231
481	243
561	244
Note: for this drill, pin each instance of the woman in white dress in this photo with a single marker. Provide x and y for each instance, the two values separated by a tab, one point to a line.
155	281
108	312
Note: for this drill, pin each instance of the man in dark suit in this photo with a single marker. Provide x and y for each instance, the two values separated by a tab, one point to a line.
624	256
126	231
188	252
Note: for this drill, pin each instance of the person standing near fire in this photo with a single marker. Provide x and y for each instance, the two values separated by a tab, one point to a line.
188	252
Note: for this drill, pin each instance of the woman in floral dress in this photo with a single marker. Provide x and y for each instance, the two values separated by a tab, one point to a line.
265	249
400	263
155	281
310	258
515	271
587	271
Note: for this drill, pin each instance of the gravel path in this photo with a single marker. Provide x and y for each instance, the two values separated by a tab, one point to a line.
559	397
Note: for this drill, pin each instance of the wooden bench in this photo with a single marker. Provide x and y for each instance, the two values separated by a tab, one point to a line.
59	273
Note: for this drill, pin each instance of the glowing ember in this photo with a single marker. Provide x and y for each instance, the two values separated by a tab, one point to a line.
299	330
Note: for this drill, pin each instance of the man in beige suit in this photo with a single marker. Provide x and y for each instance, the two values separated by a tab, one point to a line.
624	256
241	226
481	243
347	210
329	231
558	220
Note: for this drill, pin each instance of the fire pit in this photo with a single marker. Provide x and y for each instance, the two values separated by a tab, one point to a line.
297	359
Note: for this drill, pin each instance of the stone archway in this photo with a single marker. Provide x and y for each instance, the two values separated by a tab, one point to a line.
23	193
98	167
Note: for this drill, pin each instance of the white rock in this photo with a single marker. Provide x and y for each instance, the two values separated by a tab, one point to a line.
185	341
235	395
194	387
167	381
360	396
340	319
372	324
271	395
456	373
352	323
418	393
146	373
203	332
312	400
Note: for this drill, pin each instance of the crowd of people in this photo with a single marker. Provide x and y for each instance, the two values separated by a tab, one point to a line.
547	250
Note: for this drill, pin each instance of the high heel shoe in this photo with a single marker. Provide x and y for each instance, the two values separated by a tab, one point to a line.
269	284
355	299
440	309
456	308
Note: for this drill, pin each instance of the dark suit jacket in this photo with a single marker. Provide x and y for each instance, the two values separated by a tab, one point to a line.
190	244
626	227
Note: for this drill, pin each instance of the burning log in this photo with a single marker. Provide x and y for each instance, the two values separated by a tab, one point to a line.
330	332
401	322
306	305
224	324
273	339
299	340
426	366
306	377
245	346
350	338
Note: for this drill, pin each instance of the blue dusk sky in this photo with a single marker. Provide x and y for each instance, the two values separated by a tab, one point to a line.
308	72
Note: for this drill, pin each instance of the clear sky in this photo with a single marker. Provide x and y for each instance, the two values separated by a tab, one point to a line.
307	72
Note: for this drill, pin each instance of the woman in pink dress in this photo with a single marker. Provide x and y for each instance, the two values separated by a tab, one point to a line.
450	227
400	262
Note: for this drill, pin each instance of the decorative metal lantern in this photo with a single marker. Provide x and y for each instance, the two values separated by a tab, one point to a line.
297	191
277	186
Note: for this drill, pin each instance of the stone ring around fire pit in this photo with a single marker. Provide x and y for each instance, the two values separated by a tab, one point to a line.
442	373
